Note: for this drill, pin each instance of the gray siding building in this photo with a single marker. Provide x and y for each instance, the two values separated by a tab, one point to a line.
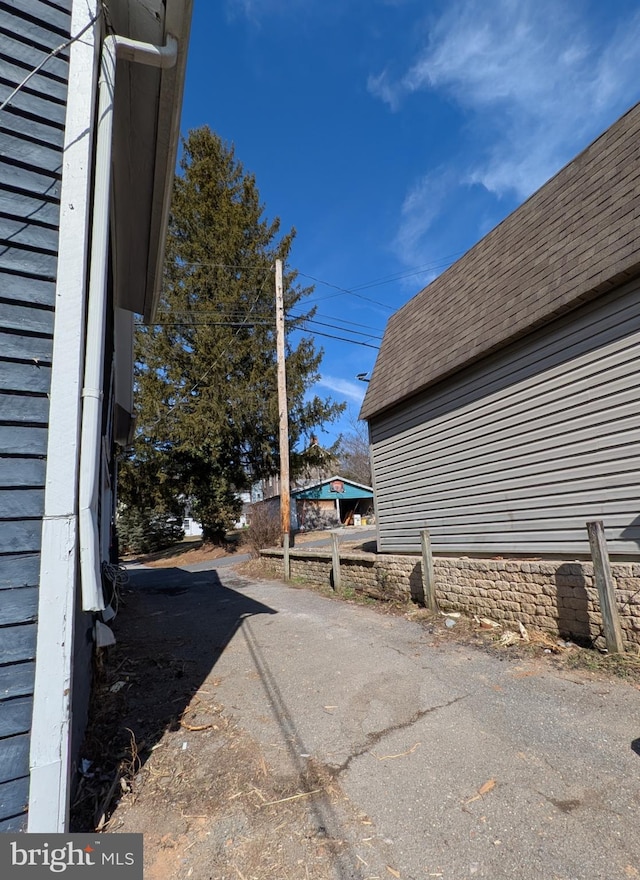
504	407
84	198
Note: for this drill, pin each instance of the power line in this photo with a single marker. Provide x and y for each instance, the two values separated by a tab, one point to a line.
443	262
245	323
343	321
344	339
343	290
416	270
344	329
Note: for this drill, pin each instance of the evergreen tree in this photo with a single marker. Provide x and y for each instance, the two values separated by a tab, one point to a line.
206	371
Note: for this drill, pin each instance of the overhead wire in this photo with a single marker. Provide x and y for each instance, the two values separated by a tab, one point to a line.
186	395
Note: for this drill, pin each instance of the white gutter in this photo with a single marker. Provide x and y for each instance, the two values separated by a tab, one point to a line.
114	47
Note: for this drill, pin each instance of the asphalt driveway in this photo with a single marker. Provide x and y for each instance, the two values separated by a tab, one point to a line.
442	760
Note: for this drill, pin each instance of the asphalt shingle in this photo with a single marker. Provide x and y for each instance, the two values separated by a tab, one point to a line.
572	240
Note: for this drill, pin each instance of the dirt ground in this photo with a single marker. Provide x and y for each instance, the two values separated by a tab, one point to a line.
193	550
165	758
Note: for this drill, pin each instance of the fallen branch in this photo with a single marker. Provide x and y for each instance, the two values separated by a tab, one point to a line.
401	755
294	797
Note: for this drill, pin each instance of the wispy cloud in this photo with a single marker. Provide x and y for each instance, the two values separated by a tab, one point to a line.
535	81
255	10
421	208
352	390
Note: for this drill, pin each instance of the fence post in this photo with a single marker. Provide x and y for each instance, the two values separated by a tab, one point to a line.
428	574
604	583
285	556
335	560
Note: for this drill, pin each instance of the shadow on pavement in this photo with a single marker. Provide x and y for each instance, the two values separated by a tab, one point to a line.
172	628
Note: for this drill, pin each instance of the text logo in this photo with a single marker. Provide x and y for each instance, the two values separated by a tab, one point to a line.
99	857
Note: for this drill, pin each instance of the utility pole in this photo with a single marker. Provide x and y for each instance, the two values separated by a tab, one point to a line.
285	498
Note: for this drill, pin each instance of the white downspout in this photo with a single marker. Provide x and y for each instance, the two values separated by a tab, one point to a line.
114	47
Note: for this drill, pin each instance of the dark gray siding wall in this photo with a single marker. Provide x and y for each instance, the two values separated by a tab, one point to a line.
31	140
516	454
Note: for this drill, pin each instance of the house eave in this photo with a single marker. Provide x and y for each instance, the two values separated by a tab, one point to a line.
146	135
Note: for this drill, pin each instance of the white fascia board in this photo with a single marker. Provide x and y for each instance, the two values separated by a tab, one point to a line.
50	732
178	24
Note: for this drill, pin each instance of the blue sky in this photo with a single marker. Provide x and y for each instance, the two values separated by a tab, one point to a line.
393	134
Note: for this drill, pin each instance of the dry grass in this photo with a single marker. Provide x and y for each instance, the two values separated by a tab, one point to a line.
187	552
210	798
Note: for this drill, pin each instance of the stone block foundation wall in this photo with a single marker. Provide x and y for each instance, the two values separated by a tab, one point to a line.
556	596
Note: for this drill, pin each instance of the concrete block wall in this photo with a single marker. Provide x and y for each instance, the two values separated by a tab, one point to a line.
555	596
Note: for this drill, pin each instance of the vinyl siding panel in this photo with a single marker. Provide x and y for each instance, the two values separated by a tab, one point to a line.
517	453
31	141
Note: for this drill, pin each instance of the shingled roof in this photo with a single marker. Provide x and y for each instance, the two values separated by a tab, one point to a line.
575	238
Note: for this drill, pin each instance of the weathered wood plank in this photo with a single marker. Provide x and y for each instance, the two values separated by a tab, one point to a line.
335	562
34	104
17	680
18	643
605	586
16	316
15	716
49	16
23	441
40	83
30	55
27	290
45	156
36	128
16	503
28	262
33	235
23	472
19	570
14	797
22	204
26	348
19	605
14	825
24	408
14	757
29	30
20	536
428	572
24	377
32	179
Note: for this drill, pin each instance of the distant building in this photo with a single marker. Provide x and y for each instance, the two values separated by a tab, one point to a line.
331	502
